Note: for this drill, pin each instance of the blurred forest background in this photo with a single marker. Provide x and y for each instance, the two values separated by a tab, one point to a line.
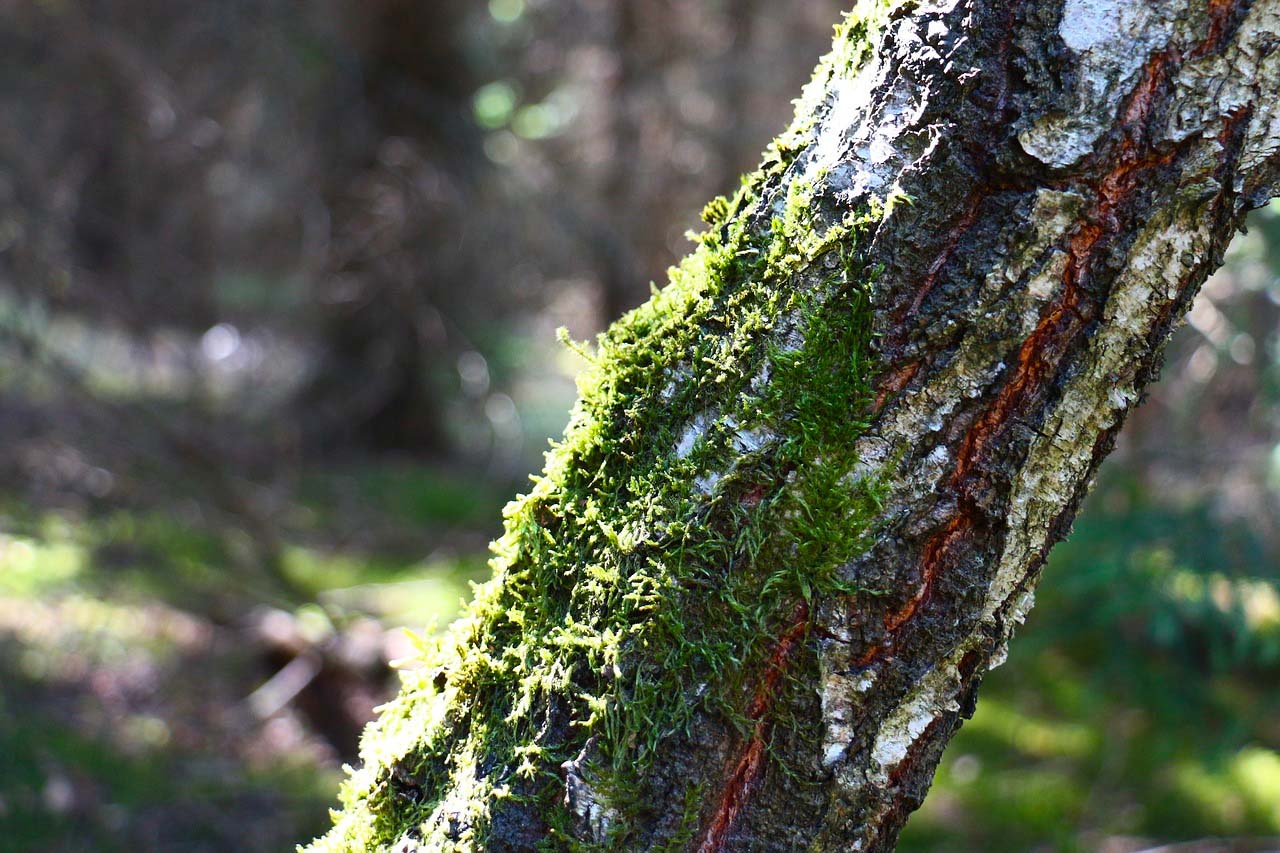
279	285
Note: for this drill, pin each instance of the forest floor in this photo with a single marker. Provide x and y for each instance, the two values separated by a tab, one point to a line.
142	710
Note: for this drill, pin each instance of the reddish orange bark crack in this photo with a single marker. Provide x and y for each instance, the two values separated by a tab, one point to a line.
1221	12
1060	324
751	764
893	383
963	224
1040	352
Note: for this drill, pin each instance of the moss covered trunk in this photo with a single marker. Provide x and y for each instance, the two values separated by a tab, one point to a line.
808	488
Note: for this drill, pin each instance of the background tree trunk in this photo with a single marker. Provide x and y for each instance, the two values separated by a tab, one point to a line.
808	489
386	356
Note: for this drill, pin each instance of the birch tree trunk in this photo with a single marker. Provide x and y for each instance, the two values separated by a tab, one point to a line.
807	491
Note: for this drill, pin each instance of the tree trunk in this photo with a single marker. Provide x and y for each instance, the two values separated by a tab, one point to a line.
382	377
808	488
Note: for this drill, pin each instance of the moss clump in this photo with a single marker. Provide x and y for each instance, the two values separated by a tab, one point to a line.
707	482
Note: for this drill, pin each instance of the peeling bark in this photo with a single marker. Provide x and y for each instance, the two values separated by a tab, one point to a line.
1048	183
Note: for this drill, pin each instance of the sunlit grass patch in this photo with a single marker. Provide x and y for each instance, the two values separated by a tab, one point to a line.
1238	795
30	565
1000	722
76	634
400	592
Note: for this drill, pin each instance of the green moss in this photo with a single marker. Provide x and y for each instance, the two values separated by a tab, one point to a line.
707	482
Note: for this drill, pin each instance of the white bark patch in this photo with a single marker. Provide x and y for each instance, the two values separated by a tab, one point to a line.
1218	84
707	483
1090	24
585	803
851	102
676	379
1122	397
695	432
840	694
1041	288
855	124
932	697
938	456
760	381
1023	606
407	844
892	745
696	429
1113	39
748	440
741	439
1053	214
1256	67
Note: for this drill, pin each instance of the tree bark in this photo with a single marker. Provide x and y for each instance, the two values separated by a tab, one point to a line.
807	491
